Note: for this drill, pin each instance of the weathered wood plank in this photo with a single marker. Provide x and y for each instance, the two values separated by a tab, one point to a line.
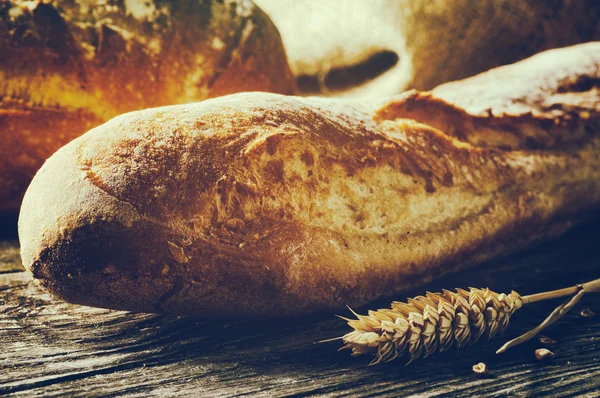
54	348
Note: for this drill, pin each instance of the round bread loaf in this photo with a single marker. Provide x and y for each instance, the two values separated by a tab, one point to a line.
67	66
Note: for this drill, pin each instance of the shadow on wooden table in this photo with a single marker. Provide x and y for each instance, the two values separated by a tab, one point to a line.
50	347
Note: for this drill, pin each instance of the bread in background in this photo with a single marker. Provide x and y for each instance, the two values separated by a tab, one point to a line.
383	47
67	66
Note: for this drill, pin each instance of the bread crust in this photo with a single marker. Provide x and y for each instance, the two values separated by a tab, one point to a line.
259	204
68	66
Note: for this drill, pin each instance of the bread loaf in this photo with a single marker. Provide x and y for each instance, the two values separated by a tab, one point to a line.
260	204
383	47
67	66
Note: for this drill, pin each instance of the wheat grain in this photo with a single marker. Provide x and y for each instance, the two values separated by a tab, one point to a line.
430	323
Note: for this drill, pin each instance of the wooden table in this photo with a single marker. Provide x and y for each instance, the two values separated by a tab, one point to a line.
52	348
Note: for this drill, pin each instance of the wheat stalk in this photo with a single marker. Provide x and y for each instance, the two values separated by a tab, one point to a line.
436	321
430	323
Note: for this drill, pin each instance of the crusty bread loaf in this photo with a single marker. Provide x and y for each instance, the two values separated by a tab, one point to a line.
262	204
67	66
384	47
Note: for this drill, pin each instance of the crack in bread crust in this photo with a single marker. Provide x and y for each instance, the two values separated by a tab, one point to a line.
546	102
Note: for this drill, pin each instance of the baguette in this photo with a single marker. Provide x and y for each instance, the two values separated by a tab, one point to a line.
375	48
67	66
259	204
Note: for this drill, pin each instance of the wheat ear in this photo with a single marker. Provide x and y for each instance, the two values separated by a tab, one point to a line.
436	321
430	323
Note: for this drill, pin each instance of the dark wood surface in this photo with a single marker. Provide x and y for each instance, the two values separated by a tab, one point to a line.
52	348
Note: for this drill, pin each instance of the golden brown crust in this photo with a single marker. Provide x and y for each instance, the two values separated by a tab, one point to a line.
91	61
261	204
547	101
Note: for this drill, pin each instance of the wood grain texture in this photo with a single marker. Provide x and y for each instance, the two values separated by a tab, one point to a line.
52	348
